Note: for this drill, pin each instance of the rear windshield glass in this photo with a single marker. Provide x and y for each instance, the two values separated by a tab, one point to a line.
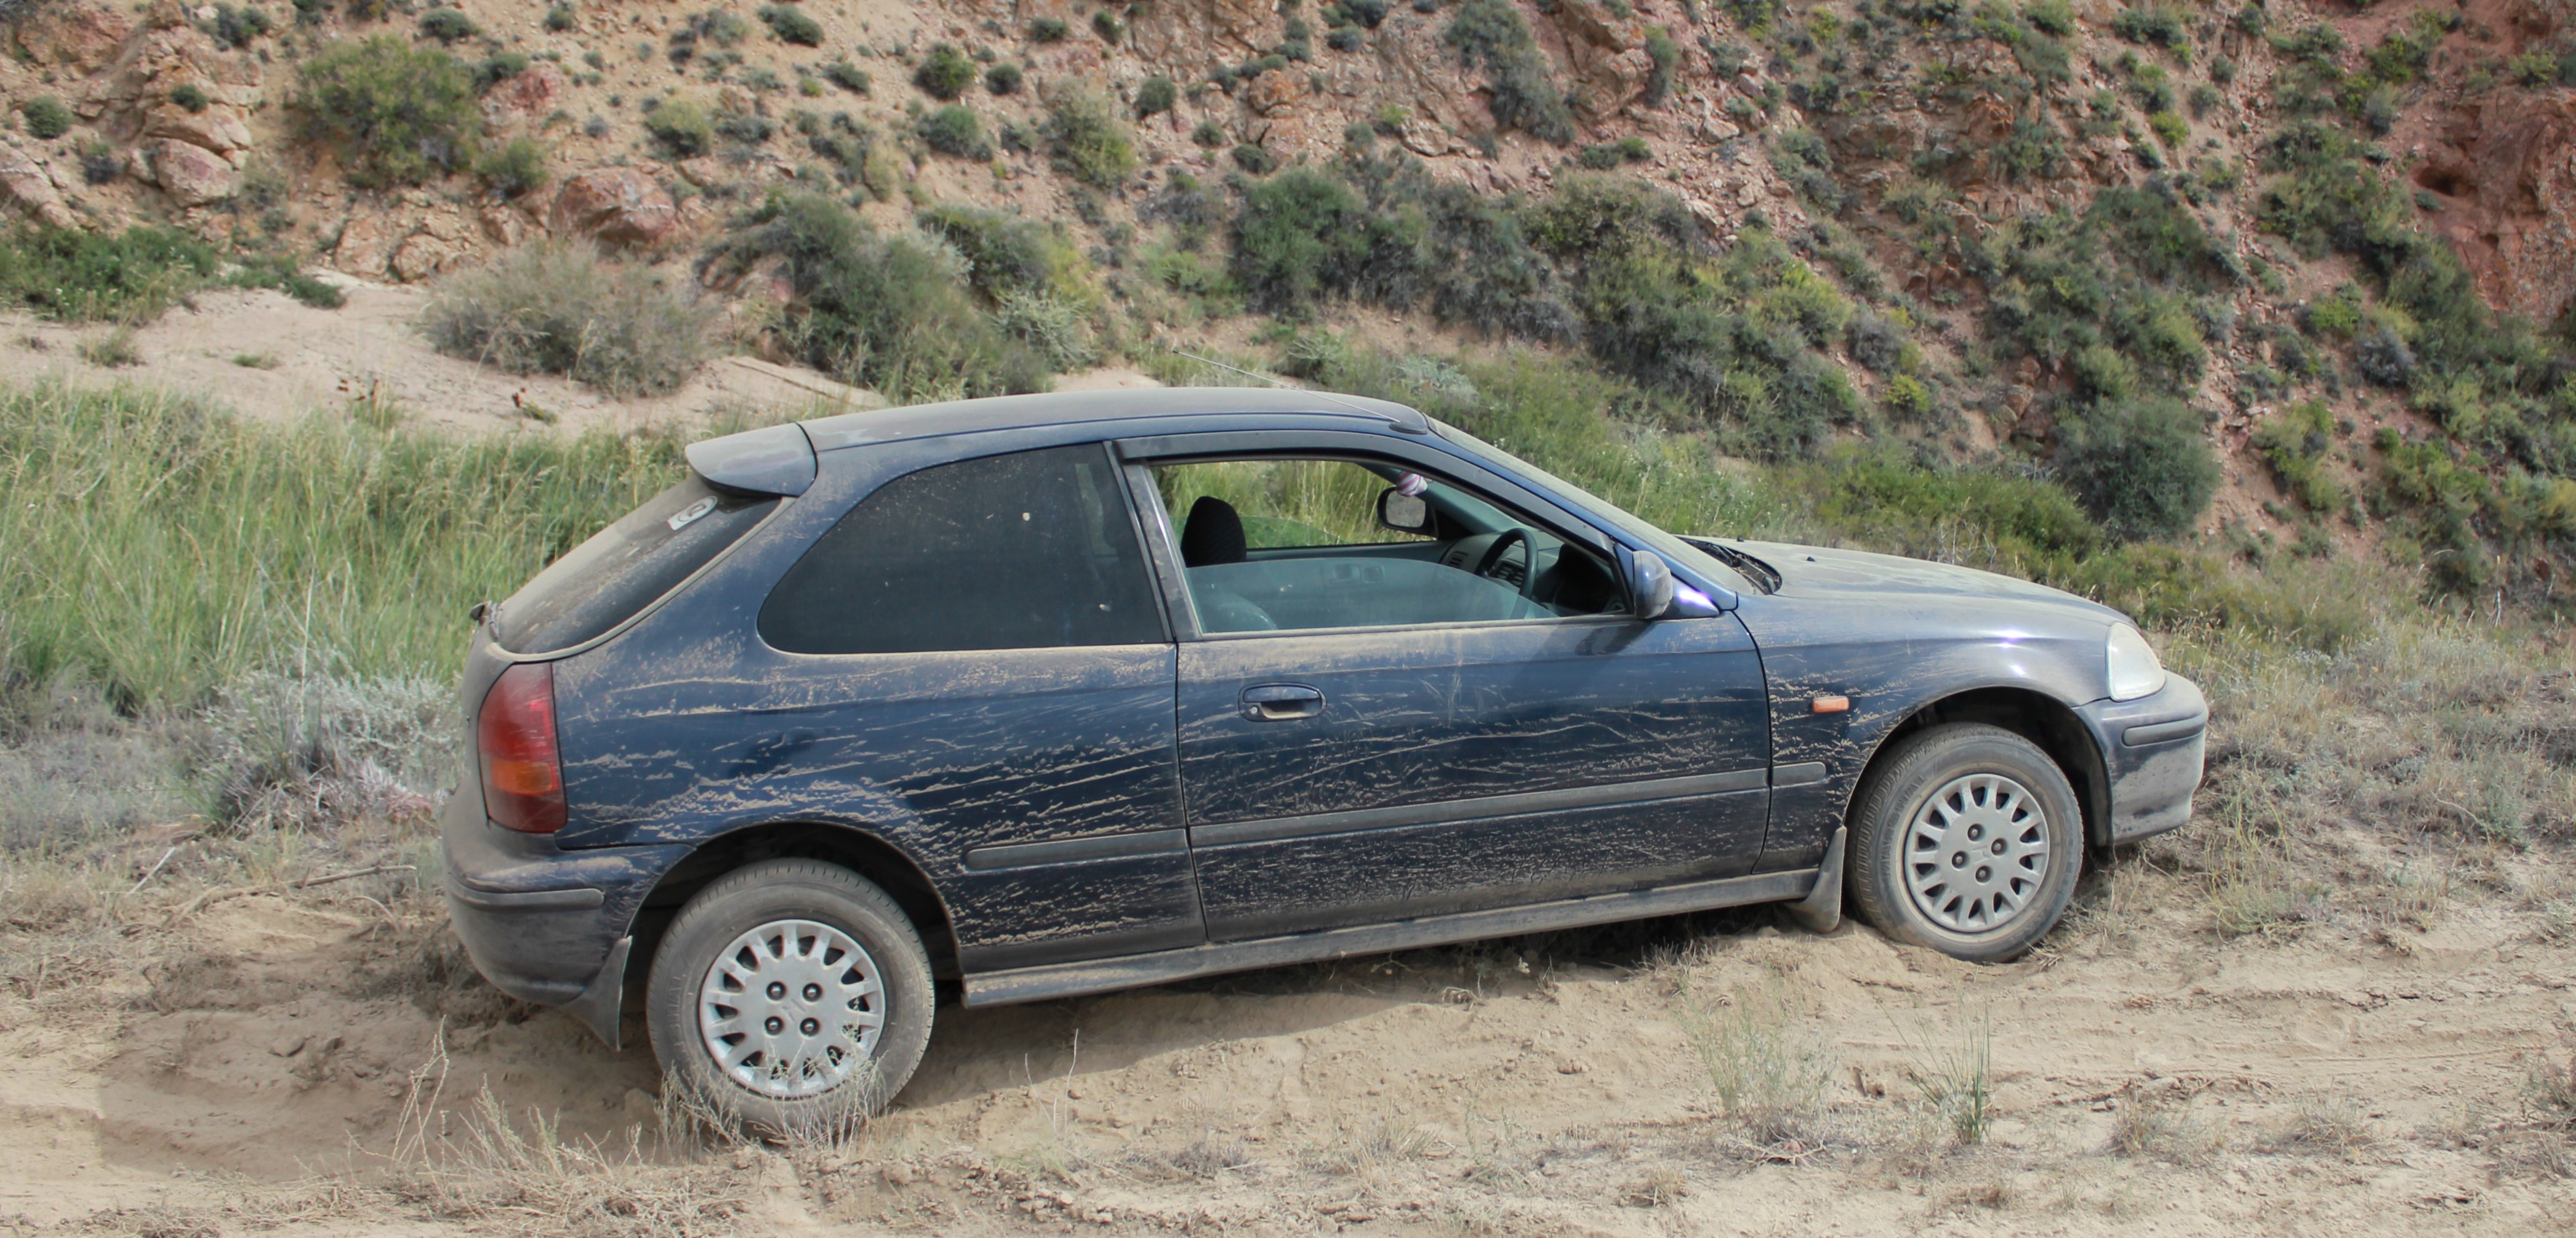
605	581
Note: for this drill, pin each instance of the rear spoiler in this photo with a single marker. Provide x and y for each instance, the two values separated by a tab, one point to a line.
771	460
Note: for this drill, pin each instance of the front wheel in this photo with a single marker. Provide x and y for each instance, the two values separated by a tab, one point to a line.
1967	839
789	995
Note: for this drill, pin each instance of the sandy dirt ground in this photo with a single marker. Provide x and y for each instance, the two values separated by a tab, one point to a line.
2145	1079
309	359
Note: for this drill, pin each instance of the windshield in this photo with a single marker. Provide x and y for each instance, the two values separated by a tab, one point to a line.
1663	543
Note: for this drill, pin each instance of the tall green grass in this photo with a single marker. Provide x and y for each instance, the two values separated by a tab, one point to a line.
162	548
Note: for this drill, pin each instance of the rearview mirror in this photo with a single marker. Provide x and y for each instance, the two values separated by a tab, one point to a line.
1404	513
1650	583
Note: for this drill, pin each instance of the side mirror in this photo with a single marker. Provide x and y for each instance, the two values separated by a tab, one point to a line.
1404	513
1650	583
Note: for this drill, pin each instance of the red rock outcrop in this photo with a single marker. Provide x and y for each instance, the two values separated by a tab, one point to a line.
191	175
2504	169
620	206
75	36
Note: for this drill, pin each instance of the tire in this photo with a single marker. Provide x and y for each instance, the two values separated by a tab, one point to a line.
794	1074
1996	890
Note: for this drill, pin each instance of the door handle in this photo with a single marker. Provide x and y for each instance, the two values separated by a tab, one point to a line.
1281	702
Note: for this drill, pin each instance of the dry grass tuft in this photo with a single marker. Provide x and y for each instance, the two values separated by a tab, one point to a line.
559	308
2153	1128
1768	1073
2322	1125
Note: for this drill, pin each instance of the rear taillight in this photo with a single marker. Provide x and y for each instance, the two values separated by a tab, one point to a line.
522	765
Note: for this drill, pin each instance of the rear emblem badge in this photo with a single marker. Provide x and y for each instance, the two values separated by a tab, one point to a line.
688	514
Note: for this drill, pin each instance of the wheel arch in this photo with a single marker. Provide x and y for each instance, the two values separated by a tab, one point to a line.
2036	716
852	847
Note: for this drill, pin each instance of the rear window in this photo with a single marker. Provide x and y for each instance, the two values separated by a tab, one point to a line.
605	581
1027	551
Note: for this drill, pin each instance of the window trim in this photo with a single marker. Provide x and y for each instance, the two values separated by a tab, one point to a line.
1163	550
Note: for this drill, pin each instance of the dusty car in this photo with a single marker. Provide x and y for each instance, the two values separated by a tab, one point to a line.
1052	695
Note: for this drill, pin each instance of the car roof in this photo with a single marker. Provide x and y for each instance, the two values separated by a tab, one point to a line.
1070	407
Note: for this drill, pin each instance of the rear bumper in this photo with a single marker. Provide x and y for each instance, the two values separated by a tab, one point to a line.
541	923
2151	754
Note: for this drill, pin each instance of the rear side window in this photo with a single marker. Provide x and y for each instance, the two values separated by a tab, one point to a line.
605	581
1025	551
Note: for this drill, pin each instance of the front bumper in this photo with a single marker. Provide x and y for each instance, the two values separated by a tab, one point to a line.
2151	757
543	924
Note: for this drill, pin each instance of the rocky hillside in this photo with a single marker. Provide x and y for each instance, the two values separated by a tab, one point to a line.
2333	248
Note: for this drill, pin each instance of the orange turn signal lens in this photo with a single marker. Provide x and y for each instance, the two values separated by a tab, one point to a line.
1830	704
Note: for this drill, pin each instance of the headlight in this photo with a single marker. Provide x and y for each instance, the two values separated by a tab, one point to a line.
2134	669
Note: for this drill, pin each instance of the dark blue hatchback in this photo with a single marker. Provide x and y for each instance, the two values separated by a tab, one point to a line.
1057	694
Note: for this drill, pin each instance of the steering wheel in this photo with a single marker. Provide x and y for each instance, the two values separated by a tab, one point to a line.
1493	558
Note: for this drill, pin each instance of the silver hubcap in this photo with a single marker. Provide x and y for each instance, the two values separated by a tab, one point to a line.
1976	853
792	1009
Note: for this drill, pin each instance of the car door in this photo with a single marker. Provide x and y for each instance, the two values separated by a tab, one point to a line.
1376	772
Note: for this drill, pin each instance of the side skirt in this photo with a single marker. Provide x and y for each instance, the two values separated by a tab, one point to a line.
1032	984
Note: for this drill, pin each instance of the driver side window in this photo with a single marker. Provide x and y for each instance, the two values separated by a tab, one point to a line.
1290	544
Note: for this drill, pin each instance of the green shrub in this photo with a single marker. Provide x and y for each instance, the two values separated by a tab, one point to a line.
1106	24
190	96
945	73
2157	26
953	130
1003	78
1907	396
1302	236
46	117
747	128
514	168
2141	466
1049	30
499	67
557	307
1087	140
884	311
847	76
234	27
1156	95
393	114
560	18
2057	17
792	25
1733	336
448	25
1006	255
2294	443
1608	155
682	128
1665	57
1489	34
2170	128
74	276
1208	134
1253	159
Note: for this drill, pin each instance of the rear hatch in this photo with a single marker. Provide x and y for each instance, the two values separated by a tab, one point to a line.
734	483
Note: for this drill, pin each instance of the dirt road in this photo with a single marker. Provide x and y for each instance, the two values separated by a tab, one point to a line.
2144	1078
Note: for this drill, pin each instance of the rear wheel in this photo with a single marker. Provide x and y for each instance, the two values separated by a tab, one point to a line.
1966	839
790	995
